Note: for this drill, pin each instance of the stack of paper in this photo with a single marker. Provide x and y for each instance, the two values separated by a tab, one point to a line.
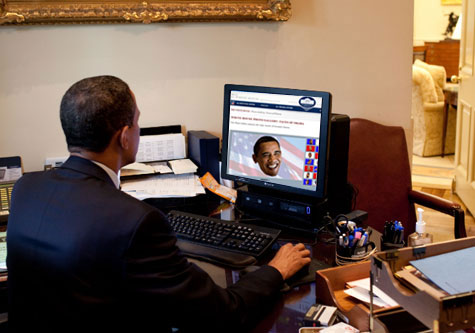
163	186
162	147
3	251
360	289
183	166
137	168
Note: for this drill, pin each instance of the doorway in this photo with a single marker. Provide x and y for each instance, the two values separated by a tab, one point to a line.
436	174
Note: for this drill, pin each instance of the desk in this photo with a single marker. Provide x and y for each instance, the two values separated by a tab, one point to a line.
450	99
288	313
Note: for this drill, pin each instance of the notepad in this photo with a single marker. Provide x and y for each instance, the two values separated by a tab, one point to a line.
183	166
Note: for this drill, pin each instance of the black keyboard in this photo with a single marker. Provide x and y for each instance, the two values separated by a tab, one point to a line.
219	241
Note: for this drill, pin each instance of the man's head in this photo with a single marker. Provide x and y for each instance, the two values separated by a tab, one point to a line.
96	110
267	154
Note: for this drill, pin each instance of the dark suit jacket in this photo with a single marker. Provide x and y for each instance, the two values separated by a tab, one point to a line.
84	256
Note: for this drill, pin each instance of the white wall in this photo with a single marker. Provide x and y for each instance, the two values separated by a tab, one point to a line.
360	51
431	19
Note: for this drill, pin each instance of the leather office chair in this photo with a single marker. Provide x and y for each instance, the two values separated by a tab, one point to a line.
378	167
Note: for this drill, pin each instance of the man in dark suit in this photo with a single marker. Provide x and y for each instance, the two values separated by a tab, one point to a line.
84	256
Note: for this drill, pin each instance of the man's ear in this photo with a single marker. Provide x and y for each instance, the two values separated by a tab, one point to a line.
124	137
254	158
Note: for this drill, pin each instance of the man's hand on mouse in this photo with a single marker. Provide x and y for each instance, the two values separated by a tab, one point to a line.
290	259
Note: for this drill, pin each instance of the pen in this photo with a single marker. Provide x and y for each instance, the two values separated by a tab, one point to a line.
362	241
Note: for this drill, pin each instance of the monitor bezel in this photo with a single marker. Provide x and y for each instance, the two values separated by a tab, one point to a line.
324	141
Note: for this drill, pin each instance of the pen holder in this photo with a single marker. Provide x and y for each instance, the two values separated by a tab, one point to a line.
349	255
385	246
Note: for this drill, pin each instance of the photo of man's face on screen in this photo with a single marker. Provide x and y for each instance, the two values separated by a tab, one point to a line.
268	155
278	158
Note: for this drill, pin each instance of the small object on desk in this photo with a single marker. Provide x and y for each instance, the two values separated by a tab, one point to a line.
320	315
211	184
393	235
420	236
353	243
183	166
305	275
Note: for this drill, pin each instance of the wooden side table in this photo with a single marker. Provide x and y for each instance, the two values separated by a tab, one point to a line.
451	92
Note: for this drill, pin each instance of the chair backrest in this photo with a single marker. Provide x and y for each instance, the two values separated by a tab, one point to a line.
378	167
438	75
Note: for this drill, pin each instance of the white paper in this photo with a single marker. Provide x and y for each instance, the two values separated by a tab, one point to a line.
161	147
183	166
163	186
365	284
363	295
3	250
161	167
138	168
10	174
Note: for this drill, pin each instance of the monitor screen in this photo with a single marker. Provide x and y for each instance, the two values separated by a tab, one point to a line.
276	138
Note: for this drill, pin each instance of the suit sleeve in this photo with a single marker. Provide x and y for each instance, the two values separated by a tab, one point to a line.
157	273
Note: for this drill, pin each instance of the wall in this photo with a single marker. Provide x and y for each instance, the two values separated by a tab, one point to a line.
360	51
431	19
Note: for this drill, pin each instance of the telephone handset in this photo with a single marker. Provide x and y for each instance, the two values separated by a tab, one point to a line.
10	171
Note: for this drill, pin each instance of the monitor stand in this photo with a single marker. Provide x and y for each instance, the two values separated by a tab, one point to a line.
287	211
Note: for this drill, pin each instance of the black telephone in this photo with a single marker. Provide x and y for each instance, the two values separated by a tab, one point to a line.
10	171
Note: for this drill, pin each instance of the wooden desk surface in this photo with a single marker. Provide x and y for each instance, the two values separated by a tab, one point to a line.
288	313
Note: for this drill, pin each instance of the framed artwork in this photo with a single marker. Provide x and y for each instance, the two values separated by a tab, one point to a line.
24	12
451	2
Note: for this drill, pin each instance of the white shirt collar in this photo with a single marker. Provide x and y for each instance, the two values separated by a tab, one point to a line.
113	176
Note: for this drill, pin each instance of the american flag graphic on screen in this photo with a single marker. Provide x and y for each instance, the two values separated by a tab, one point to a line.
241	147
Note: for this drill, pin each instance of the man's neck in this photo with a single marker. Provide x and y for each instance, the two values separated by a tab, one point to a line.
109	160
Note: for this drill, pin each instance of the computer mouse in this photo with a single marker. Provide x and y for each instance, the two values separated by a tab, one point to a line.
301	273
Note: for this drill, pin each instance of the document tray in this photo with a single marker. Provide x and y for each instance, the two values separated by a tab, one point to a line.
441	314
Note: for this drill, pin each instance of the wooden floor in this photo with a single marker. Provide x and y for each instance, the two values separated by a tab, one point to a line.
435	176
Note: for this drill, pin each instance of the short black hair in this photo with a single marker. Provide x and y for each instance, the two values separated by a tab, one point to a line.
263	139
93	109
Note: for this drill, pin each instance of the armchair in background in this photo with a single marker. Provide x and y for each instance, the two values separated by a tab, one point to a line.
379	169
428	82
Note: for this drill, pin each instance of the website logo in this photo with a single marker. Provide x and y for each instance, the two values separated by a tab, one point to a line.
307	102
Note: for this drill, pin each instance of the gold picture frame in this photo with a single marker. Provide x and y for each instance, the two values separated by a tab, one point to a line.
450	2
24	12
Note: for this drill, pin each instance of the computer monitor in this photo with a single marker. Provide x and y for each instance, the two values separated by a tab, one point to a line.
276	138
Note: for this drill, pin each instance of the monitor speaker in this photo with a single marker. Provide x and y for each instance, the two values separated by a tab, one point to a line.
203	150
340	193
